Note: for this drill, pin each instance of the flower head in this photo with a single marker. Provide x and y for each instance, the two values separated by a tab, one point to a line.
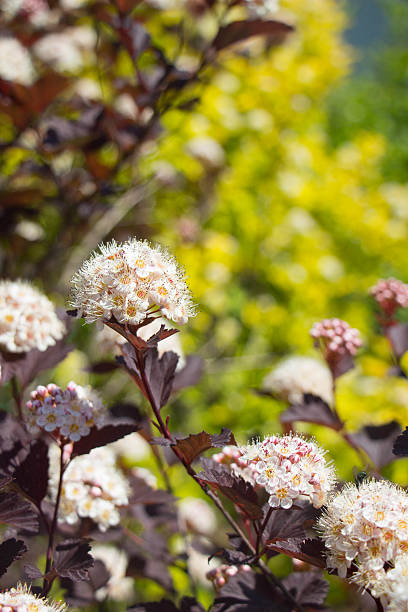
68	413
290	468
294	377
21	599
390	294
27	318
197	516
367	525
92	487
336	338
233	457
129	281
15	63
119	586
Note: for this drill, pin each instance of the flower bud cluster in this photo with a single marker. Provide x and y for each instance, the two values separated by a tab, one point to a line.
21	600
390	294
367	525
291	468
129	281
66	413
219	576
294	377
27	318
336	337
232	456
92	487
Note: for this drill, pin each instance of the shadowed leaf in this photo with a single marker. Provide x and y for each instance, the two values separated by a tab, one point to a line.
310	551
342	365
105	435
313	410
307	588
249	592
32	572
238	31
72	559
17	512
31	474
377	442
398	337
10	550
82	593
235	488
401	444
291	523
190	374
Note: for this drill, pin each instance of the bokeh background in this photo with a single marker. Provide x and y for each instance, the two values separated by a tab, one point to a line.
284	194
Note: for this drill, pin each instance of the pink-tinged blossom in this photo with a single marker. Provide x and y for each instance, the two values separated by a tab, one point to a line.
390	294
130	281
336	338
290	468
67	414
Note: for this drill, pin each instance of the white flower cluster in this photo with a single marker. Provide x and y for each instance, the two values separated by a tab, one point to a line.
262	8
92	487
367	525
64	50
219	576
15	62
232	456
129	281
197	516
27	318
21	600
119	586
291	468
68	413
294	377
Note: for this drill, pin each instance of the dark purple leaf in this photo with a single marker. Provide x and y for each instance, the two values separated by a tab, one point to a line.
189	604
155	569
249	592
107	434
401	444
10	550
142	493
307	588
310	551
292	523
160	374
32	572
165	605
5	481
102	367
398	337
242	493
82	594
72	559
31	474
190	374
342	365
238	31
313	410
27	366
377	442
195	444
160	441
17	512
134	36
